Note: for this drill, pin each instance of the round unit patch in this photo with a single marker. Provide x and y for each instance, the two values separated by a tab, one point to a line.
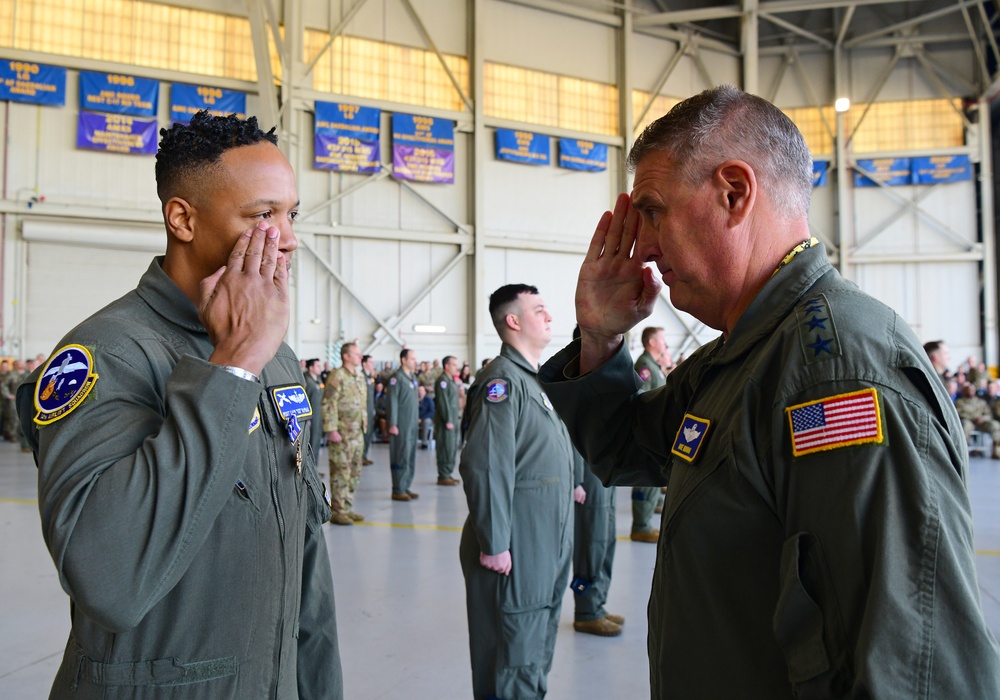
496	390
64	383
645	374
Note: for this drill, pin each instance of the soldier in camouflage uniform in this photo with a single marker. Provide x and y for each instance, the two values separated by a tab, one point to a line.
976	416
345	418
8	388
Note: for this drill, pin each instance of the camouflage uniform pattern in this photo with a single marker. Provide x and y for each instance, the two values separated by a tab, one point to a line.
977	416
8	415
345	409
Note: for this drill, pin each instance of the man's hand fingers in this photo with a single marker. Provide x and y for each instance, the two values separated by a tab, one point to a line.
237	258
613	240
597	241
253	258
269	259
630	229
207	285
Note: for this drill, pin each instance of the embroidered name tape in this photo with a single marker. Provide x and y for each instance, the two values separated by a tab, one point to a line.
690	437
496	390
64	383
291	403
547	402
254	422
835	421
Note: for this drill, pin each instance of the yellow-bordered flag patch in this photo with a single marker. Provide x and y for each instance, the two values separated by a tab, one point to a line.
690	436
835	421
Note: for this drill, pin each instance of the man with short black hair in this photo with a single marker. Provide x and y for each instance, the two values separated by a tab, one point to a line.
368	367
311	376
517	468
177	500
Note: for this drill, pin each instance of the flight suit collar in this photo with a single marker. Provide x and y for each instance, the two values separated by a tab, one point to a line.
775	301
517	358
166	298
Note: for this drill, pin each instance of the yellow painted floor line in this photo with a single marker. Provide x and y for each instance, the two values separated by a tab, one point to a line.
452	528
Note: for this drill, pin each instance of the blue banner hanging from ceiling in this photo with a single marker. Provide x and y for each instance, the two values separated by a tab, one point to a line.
423	148
117	133
820	169
347	138
888	171
577	154
930	170
187	100
523	147
119	94
34	83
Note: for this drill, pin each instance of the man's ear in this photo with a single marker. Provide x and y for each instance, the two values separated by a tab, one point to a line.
179	217
737	185
513	322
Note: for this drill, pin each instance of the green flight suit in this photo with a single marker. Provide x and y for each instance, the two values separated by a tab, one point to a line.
446	411
370	408
188	541
403	413
645	498
315	393
593	545
817	535
517	469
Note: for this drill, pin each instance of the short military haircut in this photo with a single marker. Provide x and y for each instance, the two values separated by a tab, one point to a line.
310	363
932	346
725	123
647	334
187	149
503	300
446	358
365	358
404	352
345	349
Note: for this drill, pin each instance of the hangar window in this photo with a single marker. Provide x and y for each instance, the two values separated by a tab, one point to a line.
547	99
661	105
133	32
382	71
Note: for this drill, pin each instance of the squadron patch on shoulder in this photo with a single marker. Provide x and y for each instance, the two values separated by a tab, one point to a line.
254	422
496	390
645	374
690	437
444	384
835	421
392	381
65	381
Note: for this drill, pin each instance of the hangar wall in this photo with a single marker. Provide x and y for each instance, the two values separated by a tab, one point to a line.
378	256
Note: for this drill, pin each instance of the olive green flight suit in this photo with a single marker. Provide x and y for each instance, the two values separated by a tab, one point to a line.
403	413
446	411
517	469
593	544
172	503
817	536
645	498
315	393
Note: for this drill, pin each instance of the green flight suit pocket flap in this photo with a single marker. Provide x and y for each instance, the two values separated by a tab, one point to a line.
798	618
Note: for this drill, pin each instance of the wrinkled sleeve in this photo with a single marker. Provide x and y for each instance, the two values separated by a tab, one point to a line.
623	435
487	469
392	403
135	477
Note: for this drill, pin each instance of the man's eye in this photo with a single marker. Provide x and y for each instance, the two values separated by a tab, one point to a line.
293	215
263	215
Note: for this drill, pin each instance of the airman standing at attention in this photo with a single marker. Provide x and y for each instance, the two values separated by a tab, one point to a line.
345	418
403	420
446	421
650	370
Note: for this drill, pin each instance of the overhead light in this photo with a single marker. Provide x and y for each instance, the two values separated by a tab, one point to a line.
425	328
842	104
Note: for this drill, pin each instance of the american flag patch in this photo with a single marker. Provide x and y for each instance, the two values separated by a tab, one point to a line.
836	421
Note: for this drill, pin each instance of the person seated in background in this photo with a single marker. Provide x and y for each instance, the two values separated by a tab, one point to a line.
993	397
977	416
976	373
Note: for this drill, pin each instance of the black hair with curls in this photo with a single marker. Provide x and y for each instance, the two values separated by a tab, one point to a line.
186	148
